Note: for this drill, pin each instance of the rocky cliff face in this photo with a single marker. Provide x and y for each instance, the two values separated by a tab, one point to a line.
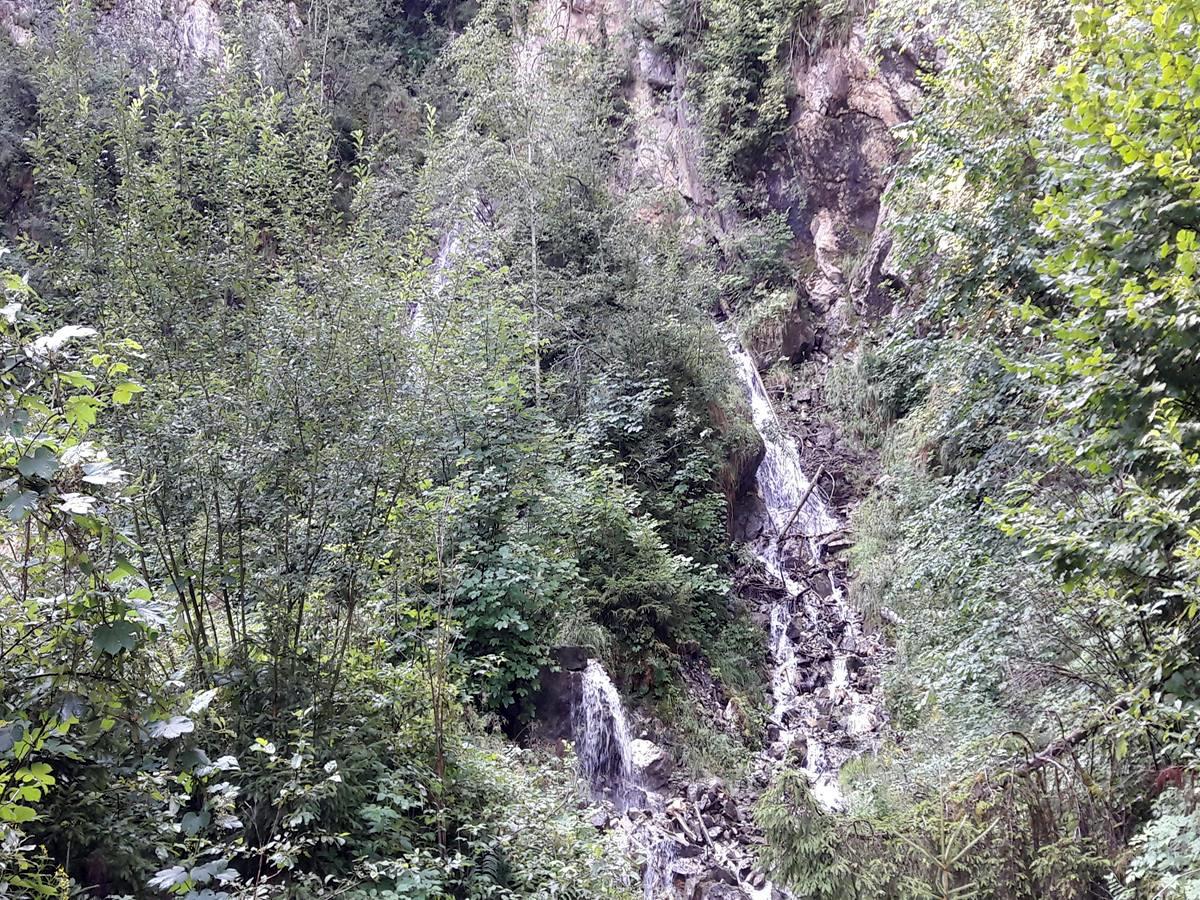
176	35
829	181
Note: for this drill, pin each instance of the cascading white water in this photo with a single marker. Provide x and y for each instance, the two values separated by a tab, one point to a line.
602	736
783	486
781	481
656	880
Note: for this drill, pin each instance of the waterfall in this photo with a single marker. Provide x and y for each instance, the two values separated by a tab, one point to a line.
781	481
656	880
602	736
811	682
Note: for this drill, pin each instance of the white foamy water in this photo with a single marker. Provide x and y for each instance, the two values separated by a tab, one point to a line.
602	736
782	485
781	480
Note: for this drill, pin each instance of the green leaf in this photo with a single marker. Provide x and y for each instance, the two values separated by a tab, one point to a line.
81	411
77	379
115	637
18	503
124	392
42	463
193	822
14	812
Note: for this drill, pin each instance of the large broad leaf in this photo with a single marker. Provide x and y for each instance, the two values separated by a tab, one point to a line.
165	879
193	822
171	728
17	504
217	868
102	473
77	504
224	764
115	637
201	701
42	463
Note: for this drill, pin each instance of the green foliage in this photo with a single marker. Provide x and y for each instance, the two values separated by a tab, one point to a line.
77	613
1118	364
962	199
1042	388
1165	853
747	51
802	847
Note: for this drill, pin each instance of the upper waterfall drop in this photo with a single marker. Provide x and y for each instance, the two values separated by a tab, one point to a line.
810	635
781	481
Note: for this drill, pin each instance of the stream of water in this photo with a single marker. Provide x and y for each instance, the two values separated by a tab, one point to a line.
823	711
823	717
602	741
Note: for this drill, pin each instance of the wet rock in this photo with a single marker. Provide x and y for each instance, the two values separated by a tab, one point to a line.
600	819
798	628
719	891
651	763
656	67
854	665
822	585
688	851
839	544
860	722
687	866
573	659
720	874
799	751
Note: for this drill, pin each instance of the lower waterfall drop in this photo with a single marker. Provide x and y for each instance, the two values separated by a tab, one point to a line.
602	740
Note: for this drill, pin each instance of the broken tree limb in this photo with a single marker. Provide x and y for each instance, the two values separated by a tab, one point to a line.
799	506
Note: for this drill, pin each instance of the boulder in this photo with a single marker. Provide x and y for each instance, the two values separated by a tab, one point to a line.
687	866
821	583
799	752
651	763
719	874
719	891
744	450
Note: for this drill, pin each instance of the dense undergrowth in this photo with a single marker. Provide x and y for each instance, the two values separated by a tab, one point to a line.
342	383
318	440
